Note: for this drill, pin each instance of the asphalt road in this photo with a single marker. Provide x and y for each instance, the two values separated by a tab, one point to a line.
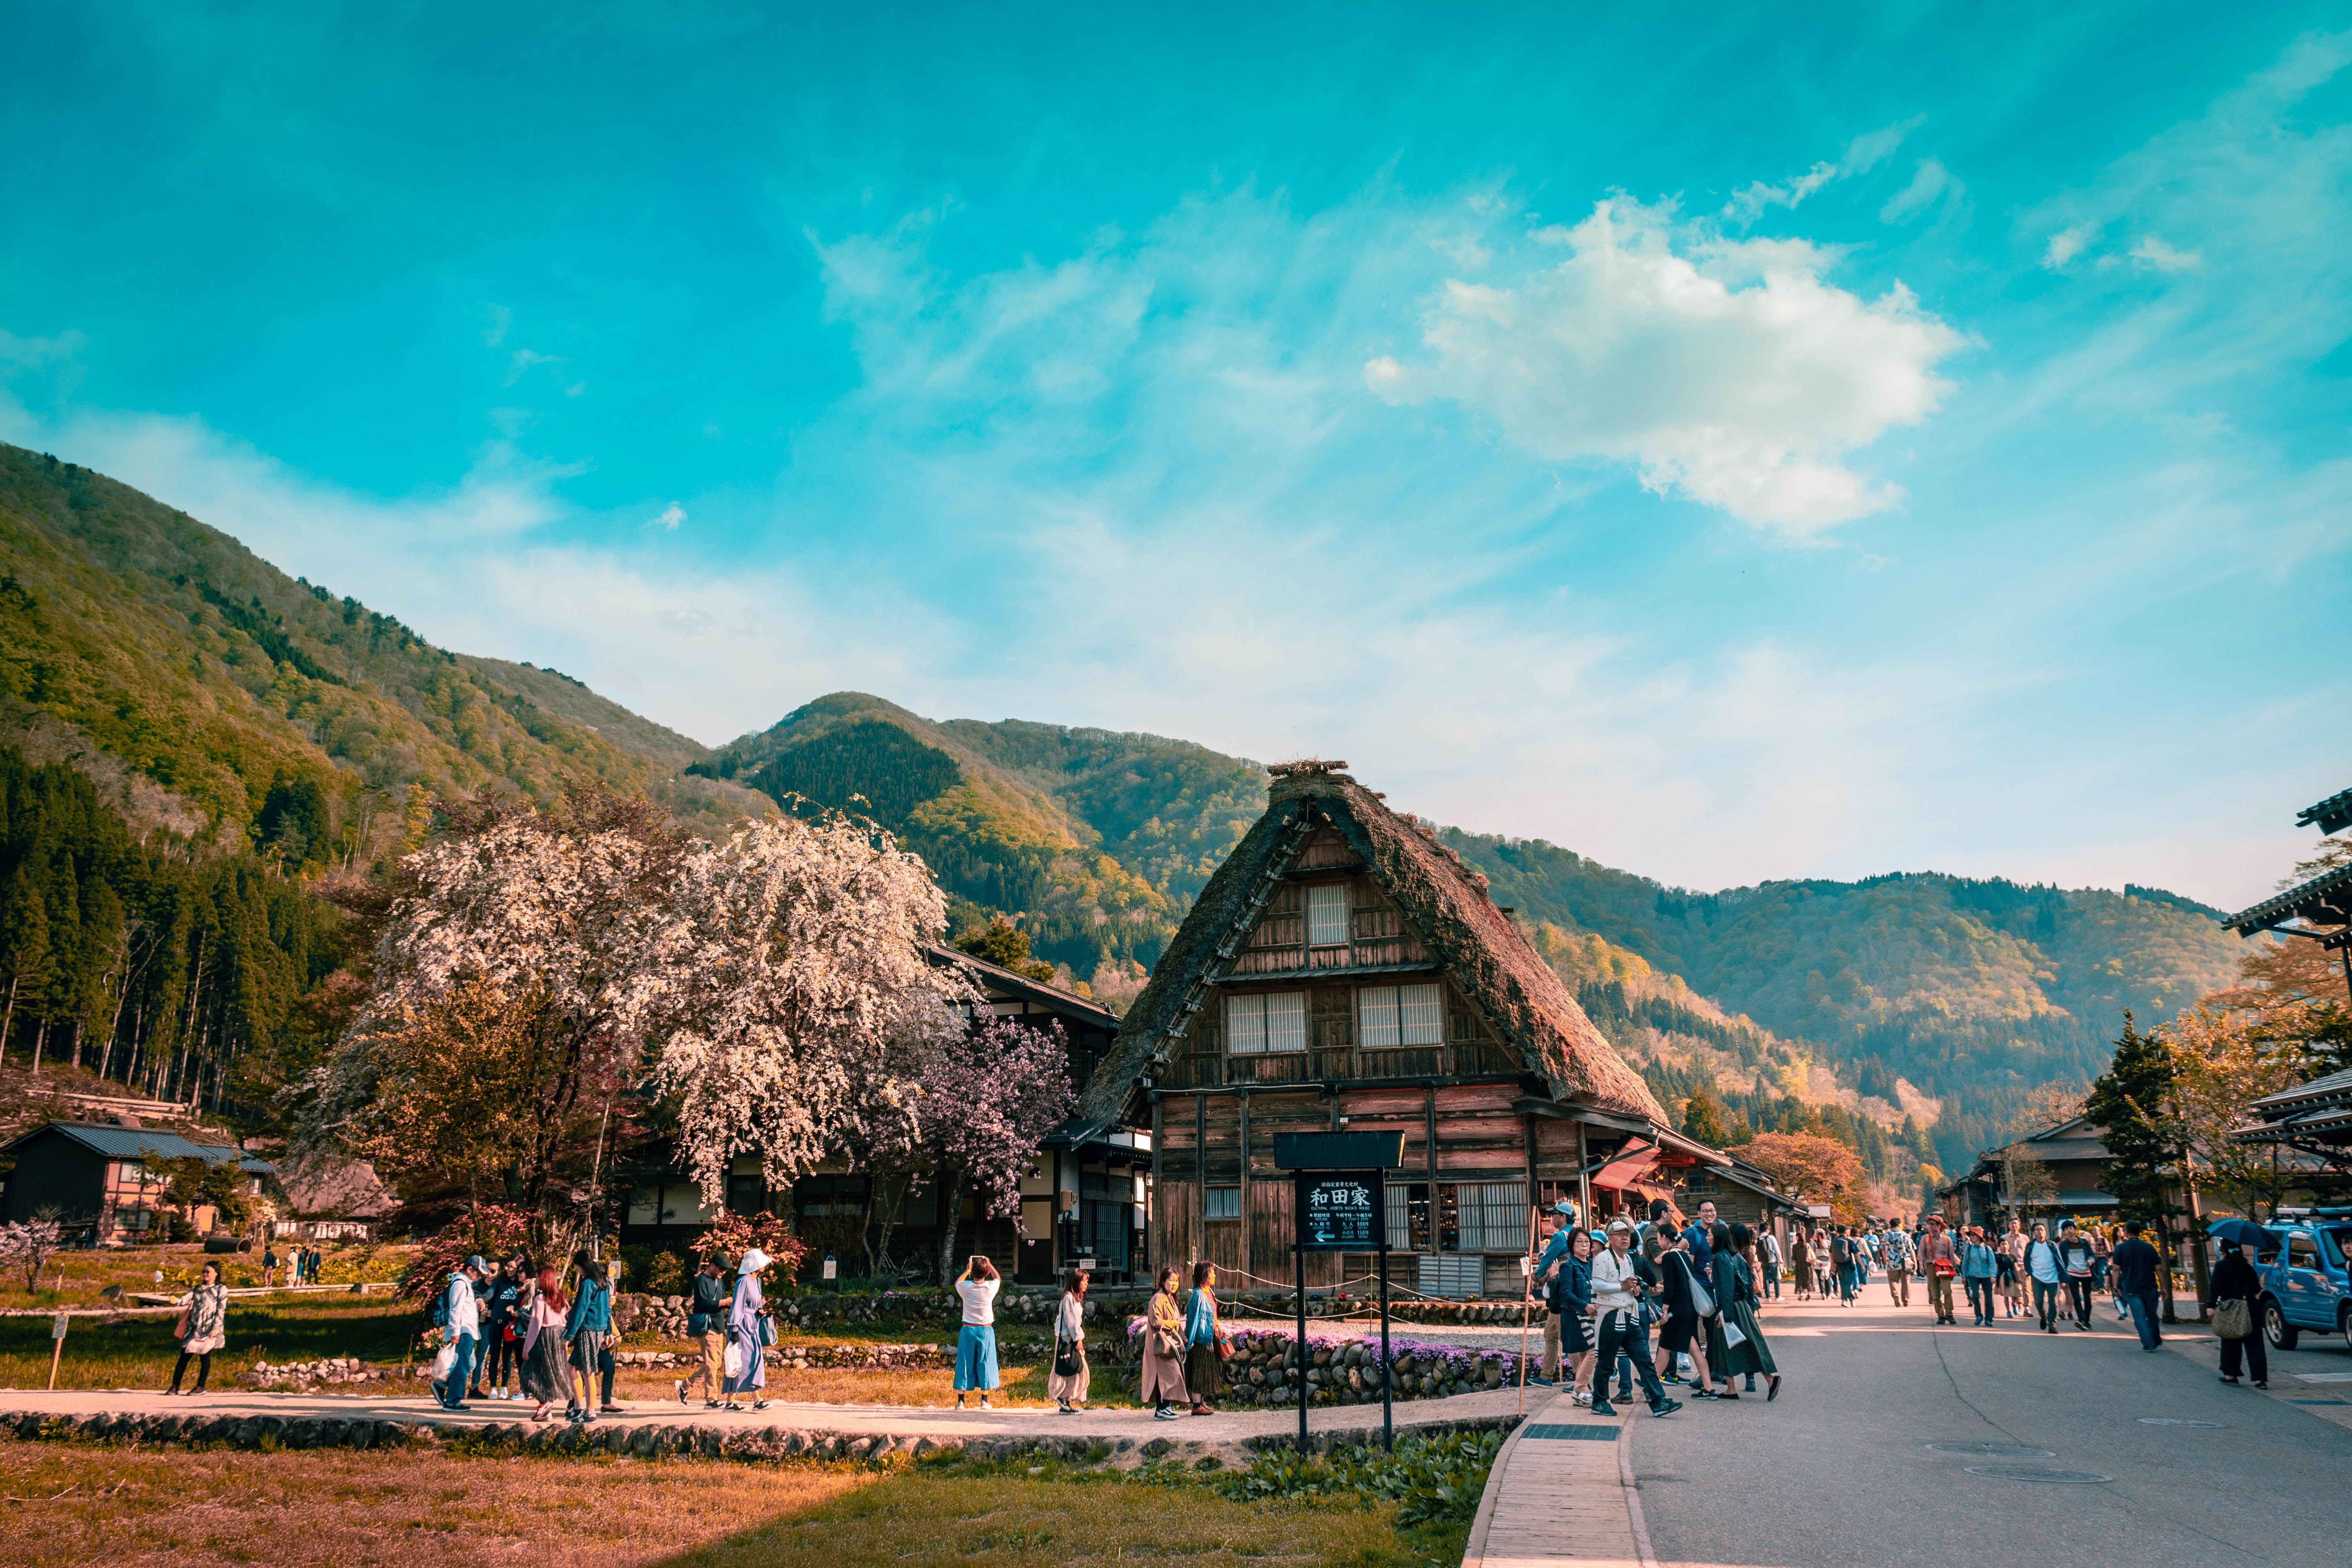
1840	1469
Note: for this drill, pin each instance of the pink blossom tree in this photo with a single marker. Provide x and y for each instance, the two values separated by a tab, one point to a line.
988	1098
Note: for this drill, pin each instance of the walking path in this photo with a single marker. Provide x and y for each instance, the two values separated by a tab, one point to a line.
1559	1492
1124	1429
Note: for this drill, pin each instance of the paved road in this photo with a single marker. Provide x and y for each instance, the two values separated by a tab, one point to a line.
1839	1468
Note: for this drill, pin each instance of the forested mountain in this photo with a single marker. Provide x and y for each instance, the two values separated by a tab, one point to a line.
133	630
1098	840
252	728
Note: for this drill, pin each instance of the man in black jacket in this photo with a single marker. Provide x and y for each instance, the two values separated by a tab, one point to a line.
2135	1266
707	1322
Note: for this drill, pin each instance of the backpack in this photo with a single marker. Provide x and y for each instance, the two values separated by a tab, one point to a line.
441	1309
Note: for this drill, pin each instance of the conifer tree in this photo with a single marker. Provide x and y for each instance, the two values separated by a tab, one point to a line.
2130	1101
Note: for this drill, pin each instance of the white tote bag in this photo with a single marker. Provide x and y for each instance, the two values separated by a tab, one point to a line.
732	1364
1731	1334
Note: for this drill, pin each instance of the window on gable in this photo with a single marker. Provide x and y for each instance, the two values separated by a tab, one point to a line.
1399	1016
1326	915
1266	1021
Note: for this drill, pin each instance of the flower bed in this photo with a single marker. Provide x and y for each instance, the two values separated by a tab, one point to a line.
1263	1368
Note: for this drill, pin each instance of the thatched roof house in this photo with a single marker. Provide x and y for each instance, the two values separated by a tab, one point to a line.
1345	968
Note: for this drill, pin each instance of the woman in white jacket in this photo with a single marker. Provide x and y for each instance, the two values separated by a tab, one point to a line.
1069	1389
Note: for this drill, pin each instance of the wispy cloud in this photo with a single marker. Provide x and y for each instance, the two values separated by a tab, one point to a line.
669	517
2152	252
1864	153
1931	182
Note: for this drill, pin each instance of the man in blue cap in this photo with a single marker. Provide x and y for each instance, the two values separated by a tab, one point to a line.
1562	1220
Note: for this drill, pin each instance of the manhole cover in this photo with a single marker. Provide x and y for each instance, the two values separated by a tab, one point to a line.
2037	1473
2176	1421
1992	1450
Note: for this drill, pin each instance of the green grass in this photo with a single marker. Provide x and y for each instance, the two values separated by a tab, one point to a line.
139	1352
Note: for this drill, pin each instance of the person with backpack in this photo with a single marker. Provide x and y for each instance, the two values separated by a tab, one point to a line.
2079	1260
2044	1268
458	1314
706	1321
1976	1276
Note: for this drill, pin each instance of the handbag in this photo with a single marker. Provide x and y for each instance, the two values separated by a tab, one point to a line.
1068	1361
2235	1320
767	1331
1702	1302
1732	1337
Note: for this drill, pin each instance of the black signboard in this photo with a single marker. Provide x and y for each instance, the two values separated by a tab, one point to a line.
1342	1212
1338	1151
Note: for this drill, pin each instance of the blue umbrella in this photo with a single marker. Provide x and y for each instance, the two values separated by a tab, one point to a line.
2244	1233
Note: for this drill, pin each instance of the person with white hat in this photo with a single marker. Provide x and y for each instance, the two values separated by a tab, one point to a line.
746	1333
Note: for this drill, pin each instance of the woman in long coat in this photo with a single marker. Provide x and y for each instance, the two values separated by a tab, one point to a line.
1163	1352
743	1333
1204	1339
1735	1277
1801	1264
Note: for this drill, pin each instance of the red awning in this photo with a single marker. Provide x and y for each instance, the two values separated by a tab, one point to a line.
1624	1173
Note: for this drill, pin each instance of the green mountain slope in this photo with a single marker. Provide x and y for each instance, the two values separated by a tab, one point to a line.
131	631
1098	840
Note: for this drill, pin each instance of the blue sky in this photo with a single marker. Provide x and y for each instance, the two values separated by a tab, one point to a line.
1733	442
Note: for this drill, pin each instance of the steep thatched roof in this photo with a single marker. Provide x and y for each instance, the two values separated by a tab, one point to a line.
1445	900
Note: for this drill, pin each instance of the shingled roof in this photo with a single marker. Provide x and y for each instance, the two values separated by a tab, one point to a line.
1445	900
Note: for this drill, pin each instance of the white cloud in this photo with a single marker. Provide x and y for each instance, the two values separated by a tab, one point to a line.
2153	253
2066	245
1729	372
495	320
523	360
1930	183
671	516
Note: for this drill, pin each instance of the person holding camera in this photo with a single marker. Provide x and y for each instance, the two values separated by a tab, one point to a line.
1623	1279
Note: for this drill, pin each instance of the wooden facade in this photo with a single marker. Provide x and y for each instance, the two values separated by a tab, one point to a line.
1344	970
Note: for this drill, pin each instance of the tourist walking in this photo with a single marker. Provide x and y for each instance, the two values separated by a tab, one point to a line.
1976	1269
1542	1272
1204	1339
706	1321
2236	1294
1745	1354
461	1329
975	1368
1163	1384
1068	1380
268	1267
2044	1268
589	1330
1801	1265
2076	1259
1767	1248
1938	1264
1898	1249
2008	1260
202	1327
747	1334
544	1375
2136	1265
1621	1279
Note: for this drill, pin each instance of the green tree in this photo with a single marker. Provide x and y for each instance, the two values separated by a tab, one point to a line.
1703	1119
24	948
1005	945
2131	1102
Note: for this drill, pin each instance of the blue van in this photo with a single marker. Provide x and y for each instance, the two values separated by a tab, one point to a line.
2307	1285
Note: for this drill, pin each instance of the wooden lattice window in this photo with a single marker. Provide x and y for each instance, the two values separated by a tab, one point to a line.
1266	1021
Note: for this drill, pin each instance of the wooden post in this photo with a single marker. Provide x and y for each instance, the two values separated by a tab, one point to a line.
1526	1304
56	1347
1388	1366
1298	1243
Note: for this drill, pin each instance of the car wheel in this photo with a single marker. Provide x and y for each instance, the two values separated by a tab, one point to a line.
2275	1328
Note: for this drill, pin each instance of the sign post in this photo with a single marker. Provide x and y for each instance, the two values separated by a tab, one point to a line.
57	1346
1339	1196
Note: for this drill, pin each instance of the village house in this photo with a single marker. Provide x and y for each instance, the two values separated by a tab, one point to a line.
94	1177
1344	969
1082	1199
2076	1163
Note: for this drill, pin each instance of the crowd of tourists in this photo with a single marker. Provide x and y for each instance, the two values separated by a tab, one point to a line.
1699	1284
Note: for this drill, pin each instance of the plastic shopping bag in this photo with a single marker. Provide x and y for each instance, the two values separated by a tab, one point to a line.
444	1360
733	1363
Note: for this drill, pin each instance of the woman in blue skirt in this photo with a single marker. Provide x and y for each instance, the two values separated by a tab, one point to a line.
976	1345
